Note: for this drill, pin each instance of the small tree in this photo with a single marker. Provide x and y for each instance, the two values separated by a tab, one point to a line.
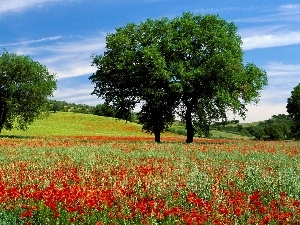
104	110
25	86
293	108
156	116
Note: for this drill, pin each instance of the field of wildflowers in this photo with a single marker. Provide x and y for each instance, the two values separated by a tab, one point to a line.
105	180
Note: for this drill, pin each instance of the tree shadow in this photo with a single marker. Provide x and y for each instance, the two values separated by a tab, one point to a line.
15	136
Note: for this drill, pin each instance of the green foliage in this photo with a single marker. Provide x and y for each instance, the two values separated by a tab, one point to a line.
276	128
62	106
99	110
191	63
177	127
293	108
25	86
208	63
104	110
258	132
232	127
155	118
133	70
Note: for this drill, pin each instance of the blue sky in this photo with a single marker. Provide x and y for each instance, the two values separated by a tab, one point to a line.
63	34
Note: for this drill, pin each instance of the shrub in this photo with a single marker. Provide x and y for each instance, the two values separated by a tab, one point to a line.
276	128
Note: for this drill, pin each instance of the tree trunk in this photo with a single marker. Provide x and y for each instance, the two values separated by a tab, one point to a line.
157	136
3	113
189	125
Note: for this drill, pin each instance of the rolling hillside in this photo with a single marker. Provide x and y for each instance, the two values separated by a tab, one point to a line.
78	124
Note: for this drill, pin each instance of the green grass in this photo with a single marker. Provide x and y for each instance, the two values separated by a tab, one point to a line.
179	128
227	135
76	124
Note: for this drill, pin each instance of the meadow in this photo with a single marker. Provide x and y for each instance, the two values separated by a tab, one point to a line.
99	172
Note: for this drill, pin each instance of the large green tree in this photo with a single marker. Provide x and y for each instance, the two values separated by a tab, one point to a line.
207	58
293	108
25	86
192	64
133	71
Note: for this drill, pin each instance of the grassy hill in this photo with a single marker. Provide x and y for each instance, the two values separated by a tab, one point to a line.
78	124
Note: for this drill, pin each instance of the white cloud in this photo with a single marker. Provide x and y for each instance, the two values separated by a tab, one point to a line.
76	91
289	9
78	94
262	112
7	6
217	10
256	41
280	69
74	59
282	79
283	13
66	57
31	41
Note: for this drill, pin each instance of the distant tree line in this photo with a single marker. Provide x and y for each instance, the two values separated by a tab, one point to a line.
99	110
278	127
62	106
281	127
110	111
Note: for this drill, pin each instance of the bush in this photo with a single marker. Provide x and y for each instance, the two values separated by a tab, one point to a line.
276	128
177	130
62	106
258	132
231	127
104	110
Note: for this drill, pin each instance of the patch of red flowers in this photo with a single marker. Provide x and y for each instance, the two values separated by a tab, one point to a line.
143	189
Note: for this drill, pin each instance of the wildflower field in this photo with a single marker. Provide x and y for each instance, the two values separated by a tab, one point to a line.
132	180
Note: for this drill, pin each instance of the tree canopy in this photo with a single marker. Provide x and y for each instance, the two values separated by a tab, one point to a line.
133	70
104	110
25	86
191	64
208	62
276	128
293	108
